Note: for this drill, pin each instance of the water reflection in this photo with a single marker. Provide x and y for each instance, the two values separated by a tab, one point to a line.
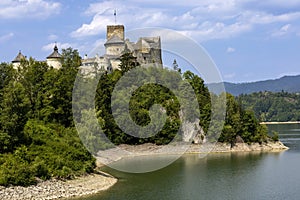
234	176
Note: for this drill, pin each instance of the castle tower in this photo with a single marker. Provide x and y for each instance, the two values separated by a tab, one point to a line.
115	44
117	30
54	59
148	51
17	61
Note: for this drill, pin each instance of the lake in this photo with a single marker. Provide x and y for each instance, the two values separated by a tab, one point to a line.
231	176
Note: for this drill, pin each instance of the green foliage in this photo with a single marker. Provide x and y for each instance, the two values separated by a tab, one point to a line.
275	136
203	98
15	108
269	106
128	61
16	170
55	151
37	136
61	149
240	122
141	101
6	75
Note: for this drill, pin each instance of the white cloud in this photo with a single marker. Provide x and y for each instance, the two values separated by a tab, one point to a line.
267	18
96	48
202	20
230	50
217	30
6	37
284	30
12	9
49	47
134	16
216	8
52	37
273	4
97	26
107	7
288	74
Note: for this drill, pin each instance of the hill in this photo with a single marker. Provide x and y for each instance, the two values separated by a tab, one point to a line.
285	83
272	106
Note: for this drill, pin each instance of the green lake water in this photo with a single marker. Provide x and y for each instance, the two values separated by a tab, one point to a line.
266	176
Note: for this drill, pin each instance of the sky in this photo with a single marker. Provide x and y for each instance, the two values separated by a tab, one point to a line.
249	40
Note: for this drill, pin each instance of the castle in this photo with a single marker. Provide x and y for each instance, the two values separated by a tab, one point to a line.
147	50
53	60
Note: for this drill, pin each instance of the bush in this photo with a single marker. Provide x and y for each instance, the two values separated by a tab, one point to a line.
16	171
275	136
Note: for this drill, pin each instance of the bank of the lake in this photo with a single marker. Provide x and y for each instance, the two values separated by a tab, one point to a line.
288	122
125	151
94	183
242	147
57	189
217	176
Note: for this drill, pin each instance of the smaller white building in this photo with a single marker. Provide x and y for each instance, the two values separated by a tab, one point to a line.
54	59
17	61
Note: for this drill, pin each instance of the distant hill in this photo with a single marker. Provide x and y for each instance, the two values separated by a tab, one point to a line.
286	83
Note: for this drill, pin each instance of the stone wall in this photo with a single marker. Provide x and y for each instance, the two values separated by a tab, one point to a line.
115	49
54	62
115	30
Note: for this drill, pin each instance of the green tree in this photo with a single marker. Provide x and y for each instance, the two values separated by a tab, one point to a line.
58	96
6	75
14	115
203	97
128	61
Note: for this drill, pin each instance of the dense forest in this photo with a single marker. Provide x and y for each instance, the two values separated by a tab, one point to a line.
38	138
273	106
238	121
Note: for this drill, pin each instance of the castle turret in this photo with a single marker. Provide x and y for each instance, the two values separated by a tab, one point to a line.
17	61
117	30
54	59
115	44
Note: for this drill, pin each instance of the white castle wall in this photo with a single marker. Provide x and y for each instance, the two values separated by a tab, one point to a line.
56	64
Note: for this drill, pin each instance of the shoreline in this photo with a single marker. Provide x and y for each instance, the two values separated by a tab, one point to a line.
93	183
123	151
289	122
244	147
58	189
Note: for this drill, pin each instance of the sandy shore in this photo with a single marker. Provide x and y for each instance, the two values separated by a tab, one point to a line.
56	189
123	151
242	147
290	122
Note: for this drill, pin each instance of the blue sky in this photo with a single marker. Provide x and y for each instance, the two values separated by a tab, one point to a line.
249	40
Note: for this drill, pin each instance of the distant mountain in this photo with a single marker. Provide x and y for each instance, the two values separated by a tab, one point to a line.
286	83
